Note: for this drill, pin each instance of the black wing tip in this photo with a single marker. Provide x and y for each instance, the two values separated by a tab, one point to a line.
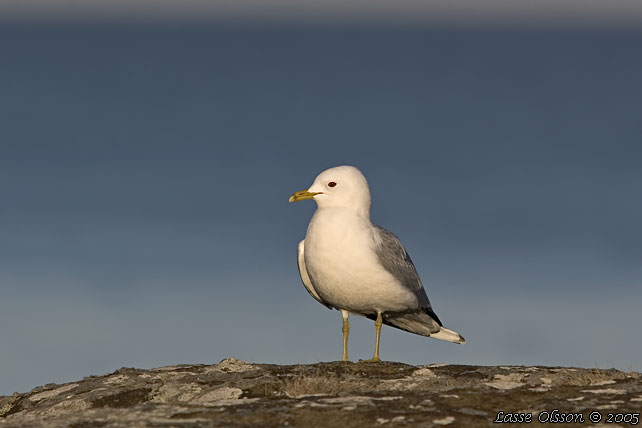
434	316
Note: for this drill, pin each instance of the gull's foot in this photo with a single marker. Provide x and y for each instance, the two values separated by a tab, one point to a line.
371	360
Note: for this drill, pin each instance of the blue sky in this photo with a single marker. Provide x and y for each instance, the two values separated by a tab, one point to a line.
146	169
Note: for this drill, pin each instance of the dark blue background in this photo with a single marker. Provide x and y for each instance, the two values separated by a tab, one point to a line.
145	171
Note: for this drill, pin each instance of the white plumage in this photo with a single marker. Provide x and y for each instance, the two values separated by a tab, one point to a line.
341	260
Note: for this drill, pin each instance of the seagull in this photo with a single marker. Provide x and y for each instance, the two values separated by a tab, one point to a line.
350	264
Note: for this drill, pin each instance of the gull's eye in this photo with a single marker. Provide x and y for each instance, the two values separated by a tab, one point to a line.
332	184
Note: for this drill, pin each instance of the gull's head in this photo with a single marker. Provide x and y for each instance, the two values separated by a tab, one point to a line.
341	186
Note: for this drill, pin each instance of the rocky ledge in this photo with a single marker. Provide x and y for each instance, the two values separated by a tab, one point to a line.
237	394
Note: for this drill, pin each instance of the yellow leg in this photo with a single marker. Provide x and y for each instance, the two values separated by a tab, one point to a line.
346	330
378	324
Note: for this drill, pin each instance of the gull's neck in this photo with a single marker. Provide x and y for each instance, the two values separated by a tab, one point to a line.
347	214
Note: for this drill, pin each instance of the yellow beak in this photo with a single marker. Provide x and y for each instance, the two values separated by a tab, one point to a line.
301	195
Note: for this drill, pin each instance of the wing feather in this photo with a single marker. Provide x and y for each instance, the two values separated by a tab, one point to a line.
395	259
305	278
421	319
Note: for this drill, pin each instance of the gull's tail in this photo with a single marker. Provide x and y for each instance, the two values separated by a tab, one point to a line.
449	335
423	323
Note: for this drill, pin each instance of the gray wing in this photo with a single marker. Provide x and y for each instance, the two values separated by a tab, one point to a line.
305	278
395	259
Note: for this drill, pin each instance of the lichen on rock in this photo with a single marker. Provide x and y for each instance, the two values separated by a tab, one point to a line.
236	393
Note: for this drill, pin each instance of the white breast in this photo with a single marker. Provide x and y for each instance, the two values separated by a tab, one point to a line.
343	266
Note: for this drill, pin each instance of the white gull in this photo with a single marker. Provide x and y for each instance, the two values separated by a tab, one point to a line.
348	263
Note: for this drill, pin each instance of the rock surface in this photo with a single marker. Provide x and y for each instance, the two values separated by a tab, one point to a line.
237	394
